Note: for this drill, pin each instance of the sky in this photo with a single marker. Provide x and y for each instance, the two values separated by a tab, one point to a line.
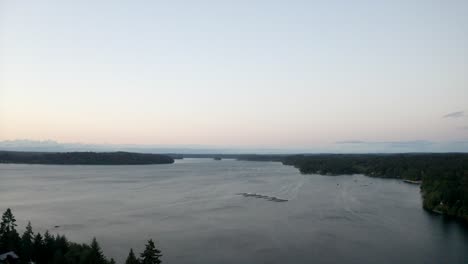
337	76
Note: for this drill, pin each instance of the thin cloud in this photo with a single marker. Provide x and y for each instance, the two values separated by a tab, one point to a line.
463	128
457	114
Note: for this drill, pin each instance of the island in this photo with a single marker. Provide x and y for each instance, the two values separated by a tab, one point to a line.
84	158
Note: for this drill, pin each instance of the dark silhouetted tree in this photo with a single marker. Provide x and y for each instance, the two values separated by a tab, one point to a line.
59	258
27	240
49	249
77	254
49	242
38	249
9	237
95	255
131	259
151	255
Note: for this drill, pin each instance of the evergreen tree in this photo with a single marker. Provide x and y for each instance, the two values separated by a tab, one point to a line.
49	249
9	237
49	242
59	258
61	243
77	254
95	255
27	240
151	255
131	259
8	222
38	249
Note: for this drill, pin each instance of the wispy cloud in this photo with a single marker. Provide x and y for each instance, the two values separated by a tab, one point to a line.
457	114
463	128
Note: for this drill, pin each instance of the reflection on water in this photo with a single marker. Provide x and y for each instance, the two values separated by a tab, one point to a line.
193	210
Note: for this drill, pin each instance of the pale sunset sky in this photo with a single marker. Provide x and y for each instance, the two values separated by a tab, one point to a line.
310	75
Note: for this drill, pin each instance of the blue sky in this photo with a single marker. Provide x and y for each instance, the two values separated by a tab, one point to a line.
250	74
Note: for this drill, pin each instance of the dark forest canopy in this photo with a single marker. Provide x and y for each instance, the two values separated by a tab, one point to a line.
444	176
46	248
84	158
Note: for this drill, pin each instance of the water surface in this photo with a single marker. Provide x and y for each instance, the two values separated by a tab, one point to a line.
192	210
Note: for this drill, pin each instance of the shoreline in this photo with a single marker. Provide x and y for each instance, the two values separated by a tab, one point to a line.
413	182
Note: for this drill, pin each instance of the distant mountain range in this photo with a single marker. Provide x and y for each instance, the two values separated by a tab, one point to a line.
350	146
54	146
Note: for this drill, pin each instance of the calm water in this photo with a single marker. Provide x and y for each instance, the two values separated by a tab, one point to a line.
191	209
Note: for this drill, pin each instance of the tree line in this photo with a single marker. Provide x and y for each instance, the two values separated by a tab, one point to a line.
84	158
49	249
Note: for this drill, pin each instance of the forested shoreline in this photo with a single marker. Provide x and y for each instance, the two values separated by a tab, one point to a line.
444	177
83	158
47	248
